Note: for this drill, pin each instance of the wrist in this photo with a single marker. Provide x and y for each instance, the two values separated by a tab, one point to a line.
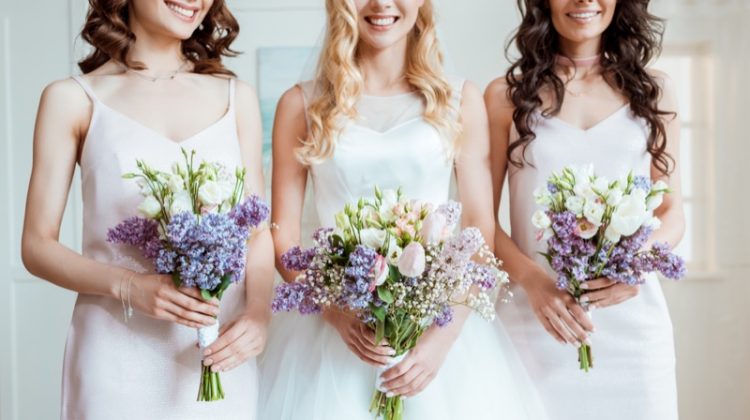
258	311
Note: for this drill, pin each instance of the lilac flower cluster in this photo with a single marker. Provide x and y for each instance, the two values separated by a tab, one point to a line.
357	278
297	259
201	252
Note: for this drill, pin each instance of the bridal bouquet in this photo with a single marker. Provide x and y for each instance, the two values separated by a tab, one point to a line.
595	227
195	227
397	265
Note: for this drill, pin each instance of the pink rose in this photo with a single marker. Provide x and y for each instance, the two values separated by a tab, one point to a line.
433	228
379	272
412	261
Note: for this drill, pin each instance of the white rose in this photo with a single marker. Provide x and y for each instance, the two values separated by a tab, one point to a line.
211	193
373	238
540	220
593	212
654	201
176	183
614	197
575	204
630	214
150	207
181	202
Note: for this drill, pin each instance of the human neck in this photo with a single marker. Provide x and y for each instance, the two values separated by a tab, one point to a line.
384	70
160	54
581	59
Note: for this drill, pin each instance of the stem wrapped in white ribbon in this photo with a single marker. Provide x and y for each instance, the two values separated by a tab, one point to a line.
391	363
207	335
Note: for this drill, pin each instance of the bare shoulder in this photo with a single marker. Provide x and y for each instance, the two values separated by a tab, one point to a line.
496	94
292	102
245	95
668	101
65	101
470	93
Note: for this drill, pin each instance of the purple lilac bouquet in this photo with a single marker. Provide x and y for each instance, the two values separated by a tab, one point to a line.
195	227
595	227
399	267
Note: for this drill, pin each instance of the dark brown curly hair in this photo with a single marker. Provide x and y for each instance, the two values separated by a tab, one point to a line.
629	44
107	30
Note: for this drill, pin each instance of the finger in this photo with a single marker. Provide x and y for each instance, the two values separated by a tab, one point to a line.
595	296
225	340
400	369
196	293
581	317
573	325
416	377
597	284
168	316
240	352
549	328
195	304
561	329
354	346
374	351
403	381
369	335
189	316
419	385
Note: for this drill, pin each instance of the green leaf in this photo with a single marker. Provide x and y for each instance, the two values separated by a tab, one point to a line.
385	295
206	295
176	279
379	313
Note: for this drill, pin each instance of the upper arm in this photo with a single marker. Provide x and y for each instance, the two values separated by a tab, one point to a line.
289	174
250	134
62	118
473	162
500	114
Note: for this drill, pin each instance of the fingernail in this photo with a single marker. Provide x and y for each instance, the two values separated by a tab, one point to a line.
207	352
583	299
587	341
584	286
389	394
592	306
207	362
577	344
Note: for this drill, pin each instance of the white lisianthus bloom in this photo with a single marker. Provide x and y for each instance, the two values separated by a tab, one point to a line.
654	201
542	196
150	207
181	202
612	235
540	220
373	238
389	201
211	193
630	214
601	185
594	212
176	183
394	252
585	191
582	173
585	229
544	234
653	223
614	197
660	186
575	204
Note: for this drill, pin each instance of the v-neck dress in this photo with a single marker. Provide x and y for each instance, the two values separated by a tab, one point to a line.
633	347
143	368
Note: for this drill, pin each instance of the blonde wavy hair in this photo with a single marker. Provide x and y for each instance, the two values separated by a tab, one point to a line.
339	81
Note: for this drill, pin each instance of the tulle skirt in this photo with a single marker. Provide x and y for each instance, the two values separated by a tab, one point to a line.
307	372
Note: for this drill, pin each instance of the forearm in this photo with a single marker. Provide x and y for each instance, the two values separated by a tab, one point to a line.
50	260
259	275
521	269
282	244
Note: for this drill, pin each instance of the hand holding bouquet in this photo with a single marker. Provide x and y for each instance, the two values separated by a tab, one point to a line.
195	227
399	267
595	227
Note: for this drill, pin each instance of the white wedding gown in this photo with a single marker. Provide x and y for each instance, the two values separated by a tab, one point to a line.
307	372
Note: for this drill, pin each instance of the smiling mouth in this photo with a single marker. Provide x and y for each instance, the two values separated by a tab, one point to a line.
180	11
584	17
381	21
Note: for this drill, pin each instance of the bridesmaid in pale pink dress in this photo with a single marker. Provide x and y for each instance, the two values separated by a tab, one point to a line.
153	84
581	93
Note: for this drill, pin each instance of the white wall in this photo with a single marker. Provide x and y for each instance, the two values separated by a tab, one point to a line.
710	316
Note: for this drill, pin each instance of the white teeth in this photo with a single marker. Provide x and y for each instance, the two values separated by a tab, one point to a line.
584	15
181	10
383	21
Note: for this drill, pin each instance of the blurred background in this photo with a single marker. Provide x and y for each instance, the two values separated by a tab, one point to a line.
706	51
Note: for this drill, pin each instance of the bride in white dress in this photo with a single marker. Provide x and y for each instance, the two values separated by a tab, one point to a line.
381	112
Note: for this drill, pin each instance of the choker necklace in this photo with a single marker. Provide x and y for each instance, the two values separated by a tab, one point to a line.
578	62
169	76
